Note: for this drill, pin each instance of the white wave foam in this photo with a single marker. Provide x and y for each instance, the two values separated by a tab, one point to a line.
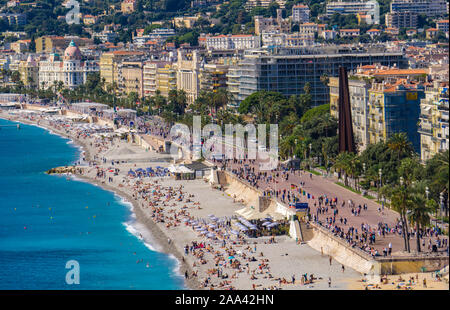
176	270
143	234
133	228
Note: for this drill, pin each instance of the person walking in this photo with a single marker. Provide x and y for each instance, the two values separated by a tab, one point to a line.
329	282
330	260
343	268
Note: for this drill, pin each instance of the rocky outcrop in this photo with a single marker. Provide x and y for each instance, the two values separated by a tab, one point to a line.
66	169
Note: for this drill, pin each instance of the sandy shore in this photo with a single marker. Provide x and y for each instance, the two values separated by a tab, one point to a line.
407	281
280	260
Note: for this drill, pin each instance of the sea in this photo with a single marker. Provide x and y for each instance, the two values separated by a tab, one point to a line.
60	233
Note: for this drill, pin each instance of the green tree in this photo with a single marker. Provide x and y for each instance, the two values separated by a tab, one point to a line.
419	215
400	145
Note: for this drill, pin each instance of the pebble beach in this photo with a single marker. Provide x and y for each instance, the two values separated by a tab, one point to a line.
179	217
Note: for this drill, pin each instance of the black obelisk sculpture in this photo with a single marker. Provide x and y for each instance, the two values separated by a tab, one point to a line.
346	142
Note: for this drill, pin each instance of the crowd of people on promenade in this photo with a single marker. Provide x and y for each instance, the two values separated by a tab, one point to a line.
342	219
231	256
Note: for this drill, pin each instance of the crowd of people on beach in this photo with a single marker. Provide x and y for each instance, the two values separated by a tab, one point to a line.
229	256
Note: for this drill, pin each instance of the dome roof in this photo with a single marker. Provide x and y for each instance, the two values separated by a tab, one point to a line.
72	52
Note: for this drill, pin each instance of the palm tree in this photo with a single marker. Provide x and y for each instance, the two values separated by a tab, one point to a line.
343	163
287	146
443	169
354	168
400	197
399	144
419	214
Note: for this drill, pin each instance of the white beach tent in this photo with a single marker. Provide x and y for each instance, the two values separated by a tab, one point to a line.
250	213
179	169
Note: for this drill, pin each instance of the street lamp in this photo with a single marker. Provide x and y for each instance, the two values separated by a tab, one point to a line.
379	183
401	181
294	148
427	192
441	196
380	173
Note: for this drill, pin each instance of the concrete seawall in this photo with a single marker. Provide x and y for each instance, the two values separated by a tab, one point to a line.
239	190
328	244
321	240
398	265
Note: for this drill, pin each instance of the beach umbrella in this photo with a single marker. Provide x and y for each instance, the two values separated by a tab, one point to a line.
230	257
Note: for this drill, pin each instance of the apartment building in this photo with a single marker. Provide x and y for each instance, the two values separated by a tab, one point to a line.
109	63
428	7
287	70
130	77
232	42
371	8
159	76
300	13
166	79
442	25
185	21
51	44
402	19
263	3
188	70
29	72
128	6
349	33
213	77
394	108
14	18
433	129
273	38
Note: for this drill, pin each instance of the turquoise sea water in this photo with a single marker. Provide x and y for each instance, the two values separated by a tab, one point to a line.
47	220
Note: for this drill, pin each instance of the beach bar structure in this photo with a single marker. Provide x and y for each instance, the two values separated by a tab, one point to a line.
200	169
89	107
181	172
9	106
9	98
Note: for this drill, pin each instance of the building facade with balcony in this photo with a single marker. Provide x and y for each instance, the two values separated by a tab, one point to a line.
428	7
433	128
70	69
371	8
394	108
300	13
287	70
